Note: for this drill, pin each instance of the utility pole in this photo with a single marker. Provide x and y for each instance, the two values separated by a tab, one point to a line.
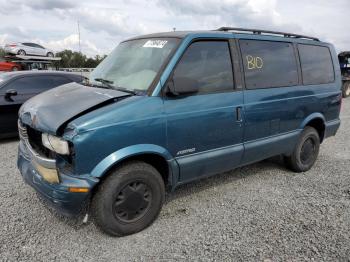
81	73
79	37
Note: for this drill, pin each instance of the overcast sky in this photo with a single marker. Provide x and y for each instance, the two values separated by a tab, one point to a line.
104	24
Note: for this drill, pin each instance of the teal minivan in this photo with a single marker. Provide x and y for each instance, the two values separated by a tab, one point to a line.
169	108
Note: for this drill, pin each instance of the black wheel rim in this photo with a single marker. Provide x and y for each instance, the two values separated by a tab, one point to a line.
308	150
132	201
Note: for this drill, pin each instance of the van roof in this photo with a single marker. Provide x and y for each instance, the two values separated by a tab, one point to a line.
230	31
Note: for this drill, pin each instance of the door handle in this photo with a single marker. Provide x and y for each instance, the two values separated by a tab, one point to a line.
239	114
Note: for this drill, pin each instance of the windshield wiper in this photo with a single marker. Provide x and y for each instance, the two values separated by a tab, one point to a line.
105	82
108	83
123	89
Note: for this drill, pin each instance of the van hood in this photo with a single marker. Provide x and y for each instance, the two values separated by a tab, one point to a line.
51	110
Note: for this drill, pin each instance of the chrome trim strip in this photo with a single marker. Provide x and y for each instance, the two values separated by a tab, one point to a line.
43	161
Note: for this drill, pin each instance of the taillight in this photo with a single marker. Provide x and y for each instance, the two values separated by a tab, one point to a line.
13	45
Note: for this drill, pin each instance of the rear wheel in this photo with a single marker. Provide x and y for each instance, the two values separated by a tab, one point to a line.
22	52
15	68
49	54
305	152
346	89
129	200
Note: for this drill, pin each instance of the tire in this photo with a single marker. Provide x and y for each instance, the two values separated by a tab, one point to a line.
346	89
305	152
129	199
15	68
22	52
49	54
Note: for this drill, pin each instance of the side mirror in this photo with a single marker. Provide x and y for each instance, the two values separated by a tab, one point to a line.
182	86
9	93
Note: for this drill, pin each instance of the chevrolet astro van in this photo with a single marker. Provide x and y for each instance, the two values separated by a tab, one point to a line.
169	108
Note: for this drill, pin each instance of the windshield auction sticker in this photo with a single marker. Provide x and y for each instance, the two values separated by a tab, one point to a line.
155	43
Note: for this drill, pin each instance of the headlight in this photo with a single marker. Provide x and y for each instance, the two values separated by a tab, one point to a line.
55	144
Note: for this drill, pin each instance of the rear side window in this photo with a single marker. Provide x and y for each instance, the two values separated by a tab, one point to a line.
316	64
268	64
35	84
59	80
209	63
76	78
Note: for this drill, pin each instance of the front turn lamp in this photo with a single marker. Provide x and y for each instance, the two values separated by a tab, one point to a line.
55	144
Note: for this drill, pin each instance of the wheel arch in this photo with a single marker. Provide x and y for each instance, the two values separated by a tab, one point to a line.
154	155
317	121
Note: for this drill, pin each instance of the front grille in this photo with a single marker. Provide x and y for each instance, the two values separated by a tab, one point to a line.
34	139
22	130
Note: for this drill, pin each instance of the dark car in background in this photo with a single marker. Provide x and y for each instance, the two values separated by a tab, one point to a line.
17	87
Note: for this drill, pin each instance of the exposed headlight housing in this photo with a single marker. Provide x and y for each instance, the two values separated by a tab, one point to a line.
55	144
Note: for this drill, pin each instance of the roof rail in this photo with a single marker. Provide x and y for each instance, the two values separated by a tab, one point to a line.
259	32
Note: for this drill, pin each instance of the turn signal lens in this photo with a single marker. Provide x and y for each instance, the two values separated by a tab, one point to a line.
78	189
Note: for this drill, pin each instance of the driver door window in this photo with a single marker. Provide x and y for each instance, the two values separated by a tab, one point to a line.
209	64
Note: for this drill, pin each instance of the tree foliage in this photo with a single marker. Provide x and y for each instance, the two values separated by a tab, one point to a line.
72	59
2	52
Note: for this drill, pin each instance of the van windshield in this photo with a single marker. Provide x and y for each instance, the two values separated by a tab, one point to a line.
134	64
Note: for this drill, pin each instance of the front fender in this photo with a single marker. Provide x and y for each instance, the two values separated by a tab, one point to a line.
127	152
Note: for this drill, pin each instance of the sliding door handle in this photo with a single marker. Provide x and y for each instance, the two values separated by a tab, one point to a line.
239	114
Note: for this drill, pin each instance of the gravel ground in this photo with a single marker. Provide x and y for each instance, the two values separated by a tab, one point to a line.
260	212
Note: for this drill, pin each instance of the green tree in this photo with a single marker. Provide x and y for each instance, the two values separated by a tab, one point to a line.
2	52
76	60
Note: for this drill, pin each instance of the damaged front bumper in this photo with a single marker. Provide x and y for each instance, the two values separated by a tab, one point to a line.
51	183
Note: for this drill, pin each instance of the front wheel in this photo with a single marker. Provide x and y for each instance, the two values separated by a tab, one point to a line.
346	89
129	199
305	152
49	54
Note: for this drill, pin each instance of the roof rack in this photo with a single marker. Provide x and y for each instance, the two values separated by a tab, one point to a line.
259	32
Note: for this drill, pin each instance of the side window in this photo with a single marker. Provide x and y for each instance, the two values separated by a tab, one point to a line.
208	63
59	80
316	64
22	85
76	78
268	64
32	84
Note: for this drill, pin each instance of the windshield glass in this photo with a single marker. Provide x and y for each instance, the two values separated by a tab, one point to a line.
133	65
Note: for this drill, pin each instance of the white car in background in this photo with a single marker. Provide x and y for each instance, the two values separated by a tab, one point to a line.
28	49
